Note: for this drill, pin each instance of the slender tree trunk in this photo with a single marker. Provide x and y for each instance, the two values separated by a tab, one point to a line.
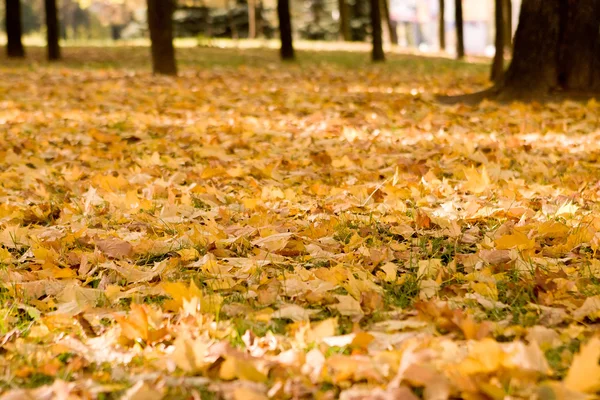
230	19
285	30
460	38
508	27
391	25
251	19
14	47
498	63
442	25
259	17
377	53
52	30
160	24
344	9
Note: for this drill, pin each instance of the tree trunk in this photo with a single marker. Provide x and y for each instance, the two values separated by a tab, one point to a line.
498	63
376	34
508	26
251	19
391	25
344	20
160	24
230	19
52	30
460	39
14	47
285	30
259	17
442	25
556	51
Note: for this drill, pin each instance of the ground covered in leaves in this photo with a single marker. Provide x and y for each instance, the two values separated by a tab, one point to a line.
253	230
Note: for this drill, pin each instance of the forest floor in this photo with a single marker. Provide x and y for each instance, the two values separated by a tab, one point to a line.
324	229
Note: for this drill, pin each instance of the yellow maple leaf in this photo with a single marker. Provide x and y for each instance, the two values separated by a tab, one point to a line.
516	240
484	357
189	353
477	181
584	373
189	254
234	367
191	297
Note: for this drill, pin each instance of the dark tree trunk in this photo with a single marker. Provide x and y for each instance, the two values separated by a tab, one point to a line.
52	30
14	47
231	20
556	54
391	25
285	30
160	24
377	51
259	18
538	64
460	38
508	26
344	20
498	63
442	25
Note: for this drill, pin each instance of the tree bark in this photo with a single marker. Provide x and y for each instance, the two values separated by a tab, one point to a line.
160	24
460	38
534	68
556	54
285	30
385	6
498	63
345	32
377	53
508	27
442	26
52	30
14	29
579	48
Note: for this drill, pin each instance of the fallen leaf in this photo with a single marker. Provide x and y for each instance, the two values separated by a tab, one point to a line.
584	373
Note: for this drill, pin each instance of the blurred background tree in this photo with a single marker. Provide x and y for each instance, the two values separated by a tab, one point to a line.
422	25
410	23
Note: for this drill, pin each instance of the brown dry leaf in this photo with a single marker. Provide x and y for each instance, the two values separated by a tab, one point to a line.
348	306
589	309
495	257
115	247
294	312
